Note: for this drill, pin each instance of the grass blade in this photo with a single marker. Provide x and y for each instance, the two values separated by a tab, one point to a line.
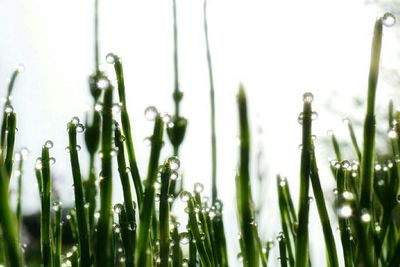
84	245
243	190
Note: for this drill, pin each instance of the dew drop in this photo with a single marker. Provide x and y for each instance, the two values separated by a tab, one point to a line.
388	19
21	68
308	97
110	58
103	83
8	109
67	149
52	160
80	128
118	208
174	163
346	121
49	144
198	187
166	118
24	152
116	108
314	115
184	238
345	211
185	196
147	141
300	118
365	216
345	164
239	257
174	176
151	113
347	195
98	107
75	121
38	164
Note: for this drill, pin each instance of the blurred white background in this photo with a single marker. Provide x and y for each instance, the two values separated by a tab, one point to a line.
278	49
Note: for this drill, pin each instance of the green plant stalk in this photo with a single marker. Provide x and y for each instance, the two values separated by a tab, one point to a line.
212	105
354	140
11	128
126	128
220	240
128	235
84	245
192	252
148	198
96	36
3	136
243	190
8	223
344	224
103	257
19	195
45	215
282	252
129	243
323	215
164	215
287	224
336	147
367	160
73	223
176	249
260	248
195	231
302	251
57	235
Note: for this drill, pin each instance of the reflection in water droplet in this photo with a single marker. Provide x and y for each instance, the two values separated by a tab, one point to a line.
388	19
308	97
174	163
151	113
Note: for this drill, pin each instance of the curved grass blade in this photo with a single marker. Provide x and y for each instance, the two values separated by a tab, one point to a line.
164	215
126	128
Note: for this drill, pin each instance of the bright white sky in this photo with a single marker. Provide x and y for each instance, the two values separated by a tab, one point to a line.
278	49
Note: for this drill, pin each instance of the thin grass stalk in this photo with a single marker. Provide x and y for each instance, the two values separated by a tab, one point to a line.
8	224
164	215
57	234
367	160
243	190
336	147
353	138
323	215
103	257
282	251
302	251
130	240
19	174
212	105
45	231
96	36
286	222
176	249
343	222
84	245
219	236
192	252
11	128
148	198
126	128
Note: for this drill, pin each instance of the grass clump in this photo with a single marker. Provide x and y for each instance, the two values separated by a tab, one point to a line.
149	233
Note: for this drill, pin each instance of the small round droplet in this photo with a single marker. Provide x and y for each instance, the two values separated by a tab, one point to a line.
185	196
365	216
198	187
75	121
103	83
345	211
392	134
347	195
118	208
174	163
21	68
345	164
151	113
8	109
147	141
314	115
388	19
52	160
110	58
174	176
98	107
346	121
300	118
308	97
239	257
184	238
49	144
116	108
